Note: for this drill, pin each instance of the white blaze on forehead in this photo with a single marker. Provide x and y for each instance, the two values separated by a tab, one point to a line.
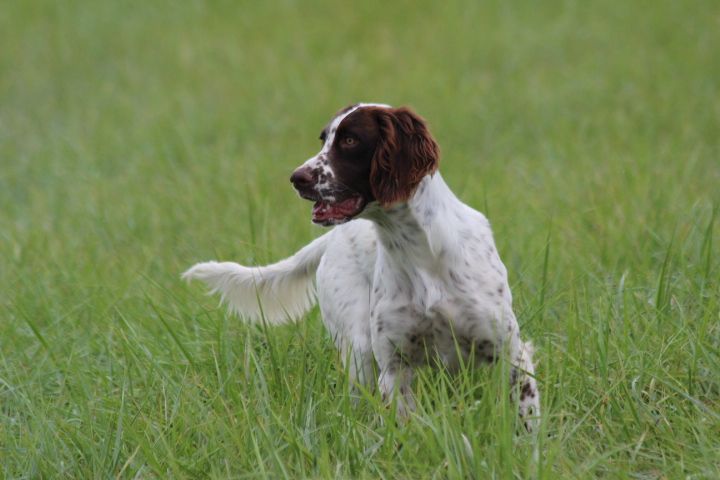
338	120
320	160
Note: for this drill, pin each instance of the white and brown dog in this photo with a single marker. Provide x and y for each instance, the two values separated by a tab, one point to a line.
409	276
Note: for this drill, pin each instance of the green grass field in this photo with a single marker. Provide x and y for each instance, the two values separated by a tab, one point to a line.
137	138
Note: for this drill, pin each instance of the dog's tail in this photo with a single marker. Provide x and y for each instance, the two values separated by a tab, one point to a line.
276	293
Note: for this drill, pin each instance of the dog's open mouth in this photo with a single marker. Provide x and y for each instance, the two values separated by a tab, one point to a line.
333	213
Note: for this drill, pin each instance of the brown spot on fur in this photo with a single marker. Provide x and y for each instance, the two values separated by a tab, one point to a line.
527	391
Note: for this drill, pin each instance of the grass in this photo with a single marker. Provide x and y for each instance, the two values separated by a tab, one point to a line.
137	138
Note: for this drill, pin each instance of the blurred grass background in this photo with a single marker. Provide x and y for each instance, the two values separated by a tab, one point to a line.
137	138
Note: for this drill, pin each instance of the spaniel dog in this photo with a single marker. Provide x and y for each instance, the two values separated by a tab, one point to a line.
409	276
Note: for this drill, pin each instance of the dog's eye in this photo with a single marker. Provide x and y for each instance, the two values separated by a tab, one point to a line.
349	141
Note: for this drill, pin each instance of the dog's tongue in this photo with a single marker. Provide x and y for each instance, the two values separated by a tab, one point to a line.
324	211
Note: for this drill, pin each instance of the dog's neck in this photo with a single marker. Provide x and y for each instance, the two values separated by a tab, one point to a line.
419	231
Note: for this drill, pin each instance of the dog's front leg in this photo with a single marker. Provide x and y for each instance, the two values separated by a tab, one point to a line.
524	388
395	384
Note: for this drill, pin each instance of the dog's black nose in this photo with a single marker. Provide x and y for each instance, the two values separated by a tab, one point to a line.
302	178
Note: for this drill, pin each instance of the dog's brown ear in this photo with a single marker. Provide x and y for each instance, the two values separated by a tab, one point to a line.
405	154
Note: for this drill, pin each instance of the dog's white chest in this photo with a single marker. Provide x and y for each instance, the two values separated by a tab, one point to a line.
423	321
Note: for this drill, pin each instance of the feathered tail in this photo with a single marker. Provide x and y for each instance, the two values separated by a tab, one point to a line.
278	293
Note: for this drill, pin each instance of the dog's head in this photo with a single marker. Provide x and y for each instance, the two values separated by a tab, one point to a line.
370	153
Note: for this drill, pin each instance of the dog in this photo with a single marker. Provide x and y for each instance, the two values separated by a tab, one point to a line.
409	276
